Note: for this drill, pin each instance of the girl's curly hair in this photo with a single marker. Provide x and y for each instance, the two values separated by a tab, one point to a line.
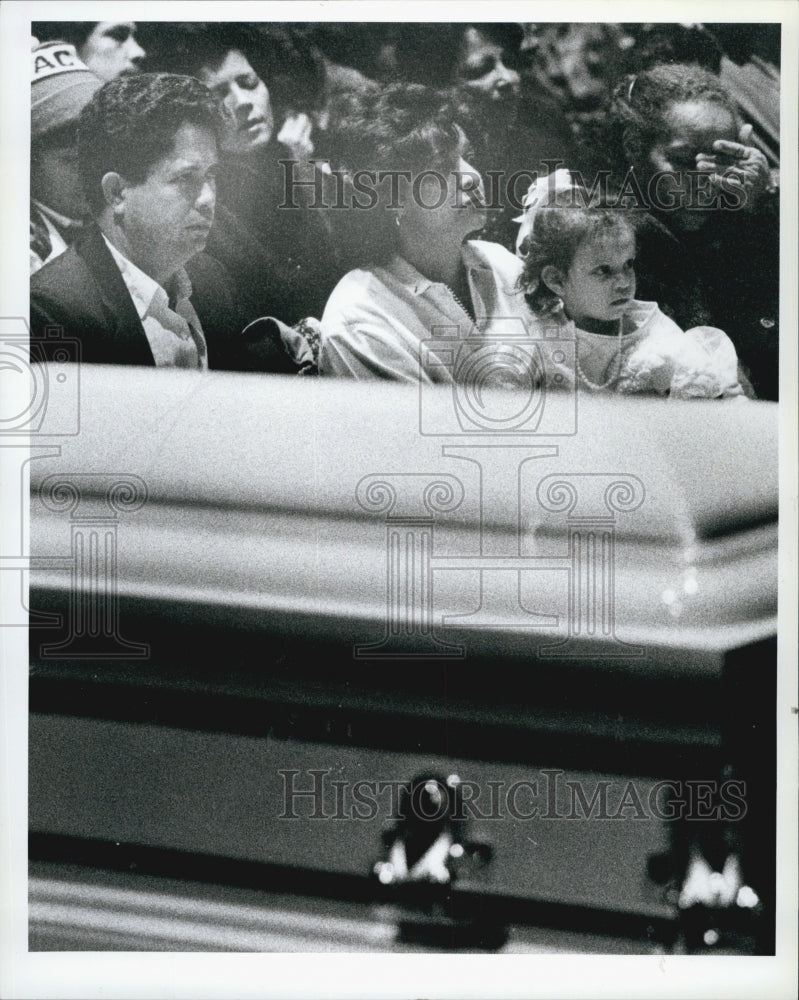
560	226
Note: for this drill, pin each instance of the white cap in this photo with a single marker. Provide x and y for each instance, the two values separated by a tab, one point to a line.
61	85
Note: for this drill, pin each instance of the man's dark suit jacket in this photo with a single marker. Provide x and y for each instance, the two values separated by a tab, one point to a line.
82	294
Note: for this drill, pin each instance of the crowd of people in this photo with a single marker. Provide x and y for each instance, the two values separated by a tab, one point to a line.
320	198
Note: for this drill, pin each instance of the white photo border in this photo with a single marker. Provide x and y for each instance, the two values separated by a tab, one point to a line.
111	975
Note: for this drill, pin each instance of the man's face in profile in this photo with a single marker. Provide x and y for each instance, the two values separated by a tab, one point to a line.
111	50
55	180
168	216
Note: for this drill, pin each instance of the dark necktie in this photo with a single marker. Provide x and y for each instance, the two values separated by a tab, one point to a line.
40	237
40	241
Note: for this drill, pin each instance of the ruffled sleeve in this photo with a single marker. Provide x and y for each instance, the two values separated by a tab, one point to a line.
699	364
706	367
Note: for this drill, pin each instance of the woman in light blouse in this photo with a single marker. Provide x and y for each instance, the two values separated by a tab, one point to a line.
410	202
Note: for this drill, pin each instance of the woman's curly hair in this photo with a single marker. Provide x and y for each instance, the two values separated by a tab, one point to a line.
399	127
641	103
402	127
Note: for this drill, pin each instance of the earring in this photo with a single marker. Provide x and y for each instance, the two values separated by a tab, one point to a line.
555	302
397	222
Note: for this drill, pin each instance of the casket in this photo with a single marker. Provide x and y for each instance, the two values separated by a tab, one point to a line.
262	607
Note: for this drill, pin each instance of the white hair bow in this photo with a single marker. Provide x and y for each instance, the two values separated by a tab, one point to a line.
538	194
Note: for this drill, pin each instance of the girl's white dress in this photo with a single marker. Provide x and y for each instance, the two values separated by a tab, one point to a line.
653	356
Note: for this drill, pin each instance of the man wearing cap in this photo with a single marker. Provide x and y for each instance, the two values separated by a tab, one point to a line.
108	48
61	86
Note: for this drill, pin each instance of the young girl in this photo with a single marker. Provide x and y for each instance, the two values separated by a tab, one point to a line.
579	281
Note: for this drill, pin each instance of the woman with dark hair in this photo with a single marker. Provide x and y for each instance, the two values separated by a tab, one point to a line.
513	122
660	112
479	56
412	201
711	255
275	247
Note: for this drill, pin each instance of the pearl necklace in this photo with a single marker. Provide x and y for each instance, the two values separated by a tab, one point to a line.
614	375
451	291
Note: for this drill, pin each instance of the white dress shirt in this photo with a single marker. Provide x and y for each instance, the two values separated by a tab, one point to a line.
173	330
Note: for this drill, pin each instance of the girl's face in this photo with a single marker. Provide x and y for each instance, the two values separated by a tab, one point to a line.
601	280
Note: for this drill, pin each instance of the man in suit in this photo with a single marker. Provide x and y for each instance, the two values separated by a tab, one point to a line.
135	287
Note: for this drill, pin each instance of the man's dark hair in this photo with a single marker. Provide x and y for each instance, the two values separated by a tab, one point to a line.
73	32
131	123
